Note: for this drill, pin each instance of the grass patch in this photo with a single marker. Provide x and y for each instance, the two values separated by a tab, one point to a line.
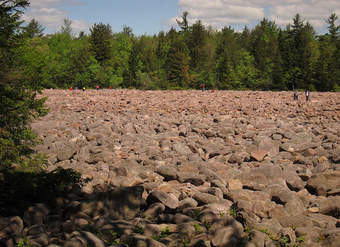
164	233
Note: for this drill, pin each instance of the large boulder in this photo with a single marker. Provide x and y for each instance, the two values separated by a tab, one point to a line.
169	200
321	184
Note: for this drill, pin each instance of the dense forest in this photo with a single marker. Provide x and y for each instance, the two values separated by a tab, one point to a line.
266	57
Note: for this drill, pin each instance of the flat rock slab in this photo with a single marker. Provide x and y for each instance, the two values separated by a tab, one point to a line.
169	200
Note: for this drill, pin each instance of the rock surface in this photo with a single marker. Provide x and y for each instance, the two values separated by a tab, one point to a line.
189	168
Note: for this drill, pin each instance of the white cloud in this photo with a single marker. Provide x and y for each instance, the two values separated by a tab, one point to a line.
51	15
80	25
219	13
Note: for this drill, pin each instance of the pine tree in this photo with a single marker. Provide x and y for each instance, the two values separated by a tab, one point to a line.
197	46
34	29
184	25
66	28
177	64
18	100
328	65
265	49
130	74
227	57
100	40
299	49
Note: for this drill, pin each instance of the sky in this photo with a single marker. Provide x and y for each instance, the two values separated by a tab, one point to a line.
152	16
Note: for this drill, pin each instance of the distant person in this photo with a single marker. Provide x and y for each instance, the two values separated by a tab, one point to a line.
307	95
110	87
296	97
76	88
203	87
97	87
71	88
83	89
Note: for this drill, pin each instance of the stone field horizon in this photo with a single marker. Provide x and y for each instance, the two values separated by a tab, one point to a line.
192	168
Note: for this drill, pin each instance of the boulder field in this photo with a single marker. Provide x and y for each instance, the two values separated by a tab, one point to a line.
189	168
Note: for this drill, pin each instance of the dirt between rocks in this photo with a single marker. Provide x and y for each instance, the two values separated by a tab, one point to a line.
193	168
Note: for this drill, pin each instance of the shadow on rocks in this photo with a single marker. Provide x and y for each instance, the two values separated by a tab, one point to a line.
19	190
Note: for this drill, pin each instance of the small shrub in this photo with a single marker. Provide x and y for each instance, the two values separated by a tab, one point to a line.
233	212
139	230
248	233
269	234
299	241
24	242
198	228
164	233
207	225
185	242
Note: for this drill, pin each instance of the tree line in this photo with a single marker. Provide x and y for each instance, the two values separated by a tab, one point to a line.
266	57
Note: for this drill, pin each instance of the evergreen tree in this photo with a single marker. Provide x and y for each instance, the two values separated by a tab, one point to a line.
197	46
333	29
34	29
184	25
66	28
265	49
147	53
328	65
18	100
130	74
162	49
245	39
177	63
128	31
299	47
100	39
227	57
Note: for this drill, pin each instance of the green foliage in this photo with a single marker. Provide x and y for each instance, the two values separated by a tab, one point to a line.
33	29
207	225
164	233
227	58
266	57
24	242
283	241
18	107
177	64
198	228
66	28
269	234
233	211
139	230
299	241
184	23
197	42
100	40
185	242
248	232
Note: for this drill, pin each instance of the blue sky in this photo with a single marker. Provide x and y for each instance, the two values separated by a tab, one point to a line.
148	17
151	16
